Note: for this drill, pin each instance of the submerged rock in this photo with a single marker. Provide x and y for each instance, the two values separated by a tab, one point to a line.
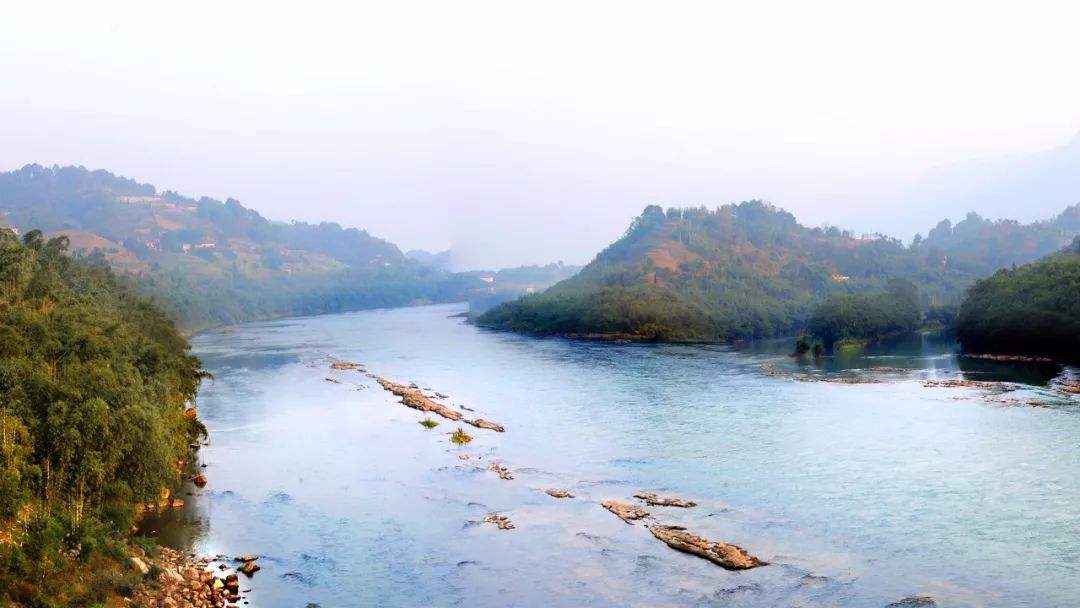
625	512
414	398
915	601
250	568
724	555
503	472
664	501
480	423
501	521
557	493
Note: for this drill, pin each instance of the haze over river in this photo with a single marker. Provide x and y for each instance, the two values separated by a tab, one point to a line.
858	494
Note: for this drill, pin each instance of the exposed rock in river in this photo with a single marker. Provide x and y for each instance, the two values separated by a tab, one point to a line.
414	398
625	512
557	493
724	555
955	383
501	521
664	501
504	472
345	365
480	423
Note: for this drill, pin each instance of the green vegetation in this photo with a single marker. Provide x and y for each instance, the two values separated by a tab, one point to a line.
428	423
848	321
750	270
1030	310
211	262
460	437
94	381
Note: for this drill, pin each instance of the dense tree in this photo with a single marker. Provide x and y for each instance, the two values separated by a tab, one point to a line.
1031	310
867	316
94	381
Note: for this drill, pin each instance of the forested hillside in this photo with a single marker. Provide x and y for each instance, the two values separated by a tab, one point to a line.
751	270
94	382
215	262
1030	310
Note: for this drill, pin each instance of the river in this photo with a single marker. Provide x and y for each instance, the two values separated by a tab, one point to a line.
858	493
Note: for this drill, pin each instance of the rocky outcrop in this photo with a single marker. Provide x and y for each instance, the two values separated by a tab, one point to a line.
480	423
414	398
557	493
625	512
724	555
199	480
664	501
501	521
502	471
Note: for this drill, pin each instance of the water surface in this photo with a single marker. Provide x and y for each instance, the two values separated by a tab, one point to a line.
859	493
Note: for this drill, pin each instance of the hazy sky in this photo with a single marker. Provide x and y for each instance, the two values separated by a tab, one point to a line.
519	132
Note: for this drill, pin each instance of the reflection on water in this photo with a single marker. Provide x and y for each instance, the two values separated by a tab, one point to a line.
912	352
859	494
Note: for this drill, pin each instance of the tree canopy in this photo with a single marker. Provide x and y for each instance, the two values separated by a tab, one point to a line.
1031	310
94	383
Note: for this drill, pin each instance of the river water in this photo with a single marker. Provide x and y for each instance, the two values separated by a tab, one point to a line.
858	493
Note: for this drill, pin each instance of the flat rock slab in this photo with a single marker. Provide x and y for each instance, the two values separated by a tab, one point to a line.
724	555
480	423
625	512
414	398
664	501
557	493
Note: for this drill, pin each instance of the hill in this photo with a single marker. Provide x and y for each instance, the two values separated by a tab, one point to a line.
751	270
215	262
1030	310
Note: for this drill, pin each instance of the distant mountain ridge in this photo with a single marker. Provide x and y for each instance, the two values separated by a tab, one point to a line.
1022	187
215	262
751	270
